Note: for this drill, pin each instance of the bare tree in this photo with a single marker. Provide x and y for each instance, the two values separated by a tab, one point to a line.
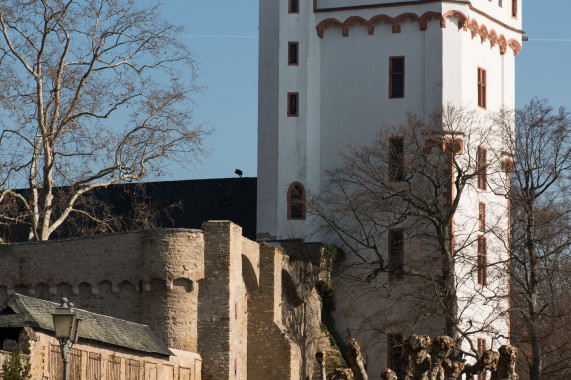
93	94
418	183
540	239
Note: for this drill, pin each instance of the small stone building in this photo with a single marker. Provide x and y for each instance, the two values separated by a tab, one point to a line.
108	348
250	311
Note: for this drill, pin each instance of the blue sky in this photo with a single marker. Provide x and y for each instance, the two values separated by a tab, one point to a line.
223	36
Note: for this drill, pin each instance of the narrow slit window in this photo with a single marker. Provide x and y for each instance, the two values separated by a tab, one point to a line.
514	8
296	201
396	159
293	104
482	88
482	217
482	168
293	6
293	53
482	345
395	350
396	77
396	255
482	264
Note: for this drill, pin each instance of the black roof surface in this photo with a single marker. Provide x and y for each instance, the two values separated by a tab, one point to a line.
173	204
24	311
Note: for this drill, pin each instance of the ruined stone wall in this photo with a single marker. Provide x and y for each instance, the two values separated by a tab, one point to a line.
273	354
146	277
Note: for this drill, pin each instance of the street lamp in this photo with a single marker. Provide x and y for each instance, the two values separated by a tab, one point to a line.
66	327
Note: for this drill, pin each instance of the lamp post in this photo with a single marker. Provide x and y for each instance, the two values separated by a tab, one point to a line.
66	328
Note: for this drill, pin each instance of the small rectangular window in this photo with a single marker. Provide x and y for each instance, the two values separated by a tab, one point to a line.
396	77
396	255
482	261
396	159
293	104
395	350
293	53
514	8
482	168
482	346
482	217
293	6
500	3
481	87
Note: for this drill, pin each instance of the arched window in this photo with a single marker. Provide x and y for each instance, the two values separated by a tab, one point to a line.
296	202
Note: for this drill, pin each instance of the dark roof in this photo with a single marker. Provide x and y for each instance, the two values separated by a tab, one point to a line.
24	311
201	200
172	204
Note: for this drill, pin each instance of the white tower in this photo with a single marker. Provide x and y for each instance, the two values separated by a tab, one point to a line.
324	78
331	72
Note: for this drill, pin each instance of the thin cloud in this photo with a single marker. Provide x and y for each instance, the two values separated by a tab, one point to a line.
551	39
216	36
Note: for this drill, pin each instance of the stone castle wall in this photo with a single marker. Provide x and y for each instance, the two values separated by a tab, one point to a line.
125	275
249	310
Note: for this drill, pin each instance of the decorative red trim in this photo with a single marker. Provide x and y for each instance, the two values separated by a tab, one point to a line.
393	5
461	17
464	22
370	24
446	144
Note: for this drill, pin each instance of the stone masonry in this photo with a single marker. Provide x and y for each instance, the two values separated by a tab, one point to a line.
250	311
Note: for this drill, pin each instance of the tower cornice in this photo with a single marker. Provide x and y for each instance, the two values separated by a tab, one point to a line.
416	2
464	22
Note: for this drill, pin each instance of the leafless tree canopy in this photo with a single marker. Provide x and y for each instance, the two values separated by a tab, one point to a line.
93	92
417	185
540	239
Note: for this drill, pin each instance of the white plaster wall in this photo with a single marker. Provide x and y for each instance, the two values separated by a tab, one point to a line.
343	88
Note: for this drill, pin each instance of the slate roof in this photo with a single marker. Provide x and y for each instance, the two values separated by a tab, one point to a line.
24	311
201	200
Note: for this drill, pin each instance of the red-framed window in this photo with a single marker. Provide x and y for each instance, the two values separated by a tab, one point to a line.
482	167
293	53
482	264
395	351
296	202
396	77
293	6
482	346
396	159
482	217
482	100
293	104
514	8
396	255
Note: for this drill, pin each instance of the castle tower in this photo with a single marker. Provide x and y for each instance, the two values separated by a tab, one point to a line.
332	72
325	82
